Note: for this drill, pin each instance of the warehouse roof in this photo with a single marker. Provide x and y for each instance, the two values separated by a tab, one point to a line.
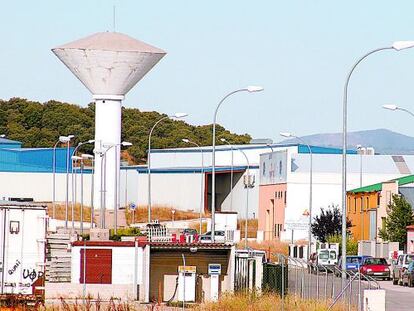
378	186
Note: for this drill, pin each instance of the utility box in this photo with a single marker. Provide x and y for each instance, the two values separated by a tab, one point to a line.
187	283
374	299
98	234
22	248
214	271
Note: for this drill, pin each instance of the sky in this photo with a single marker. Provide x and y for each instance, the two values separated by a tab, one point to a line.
300	51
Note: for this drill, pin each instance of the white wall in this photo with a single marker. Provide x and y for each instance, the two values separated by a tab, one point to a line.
123	260
24	256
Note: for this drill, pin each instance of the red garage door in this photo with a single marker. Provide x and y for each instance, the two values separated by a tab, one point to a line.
98	266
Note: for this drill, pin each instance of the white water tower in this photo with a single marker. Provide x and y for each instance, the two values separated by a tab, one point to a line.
109	64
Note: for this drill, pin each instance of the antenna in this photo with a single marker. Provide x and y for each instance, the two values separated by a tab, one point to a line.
114	18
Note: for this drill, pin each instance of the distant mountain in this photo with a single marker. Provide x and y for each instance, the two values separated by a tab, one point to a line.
382	140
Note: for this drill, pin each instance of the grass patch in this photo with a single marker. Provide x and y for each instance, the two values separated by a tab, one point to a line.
265	302
60	211
270	247
162	213
252	225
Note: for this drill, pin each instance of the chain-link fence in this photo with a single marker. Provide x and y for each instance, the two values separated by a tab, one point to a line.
310	281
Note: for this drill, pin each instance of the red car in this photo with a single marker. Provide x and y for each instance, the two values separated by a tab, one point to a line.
376	267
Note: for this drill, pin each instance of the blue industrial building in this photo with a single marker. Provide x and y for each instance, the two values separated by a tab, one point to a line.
14	158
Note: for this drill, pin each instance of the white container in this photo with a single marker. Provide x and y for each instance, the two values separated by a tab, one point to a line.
22	247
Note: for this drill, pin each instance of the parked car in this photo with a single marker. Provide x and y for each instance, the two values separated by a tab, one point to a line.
327	257
402	262
353	264
219	237
407	275
376	267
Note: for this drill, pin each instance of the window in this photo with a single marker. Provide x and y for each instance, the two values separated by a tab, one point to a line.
355	204
280	168
285	197
14	227
378	199
367	203
362	205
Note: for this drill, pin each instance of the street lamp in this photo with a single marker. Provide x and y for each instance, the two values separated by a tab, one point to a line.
250	89
290	135
187	141
231	171
108	147
62	139
90	157
395	107
74	160
397	46
177	115
66	139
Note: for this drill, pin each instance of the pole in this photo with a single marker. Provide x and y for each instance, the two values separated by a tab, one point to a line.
84	272
201	190
92	191
247	196
73	195
54	181
116	194
344	162
213	171
135	270
231	178
67	186
149	166
81	202
183	307
126	188
310	194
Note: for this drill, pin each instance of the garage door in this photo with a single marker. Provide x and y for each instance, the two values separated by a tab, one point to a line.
98	266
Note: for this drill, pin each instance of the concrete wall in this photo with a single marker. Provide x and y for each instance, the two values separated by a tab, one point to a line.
271	209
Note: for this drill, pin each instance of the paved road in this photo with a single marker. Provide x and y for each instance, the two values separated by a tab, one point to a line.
398	298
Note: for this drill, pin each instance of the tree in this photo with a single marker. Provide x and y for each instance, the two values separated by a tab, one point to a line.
399	216
40	124
328	223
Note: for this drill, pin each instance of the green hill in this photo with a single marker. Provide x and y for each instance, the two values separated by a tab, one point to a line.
40	124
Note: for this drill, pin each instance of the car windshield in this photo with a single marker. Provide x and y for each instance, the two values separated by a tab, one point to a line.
324	255
410	258
353	260
375	261
332	255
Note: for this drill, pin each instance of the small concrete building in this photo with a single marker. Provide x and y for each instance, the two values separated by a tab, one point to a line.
147	271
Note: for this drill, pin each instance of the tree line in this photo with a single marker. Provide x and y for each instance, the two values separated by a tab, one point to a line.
39	125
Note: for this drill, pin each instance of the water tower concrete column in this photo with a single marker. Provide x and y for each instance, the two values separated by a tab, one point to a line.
107	134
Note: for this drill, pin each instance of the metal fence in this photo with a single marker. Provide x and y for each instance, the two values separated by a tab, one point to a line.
310	281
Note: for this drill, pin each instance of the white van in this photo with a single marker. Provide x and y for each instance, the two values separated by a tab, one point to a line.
327	257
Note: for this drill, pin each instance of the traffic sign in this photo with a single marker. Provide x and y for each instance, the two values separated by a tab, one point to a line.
132	206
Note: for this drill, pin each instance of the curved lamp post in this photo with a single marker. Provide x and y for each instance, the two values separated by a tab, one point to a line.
74	160
250	89
108	147
310	187
91	158
187	141
395	107
62	139
231	172
177	115
397	46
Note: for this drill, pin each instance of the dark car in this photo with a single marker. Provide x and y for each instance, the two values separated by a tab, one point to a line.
407	275
376	267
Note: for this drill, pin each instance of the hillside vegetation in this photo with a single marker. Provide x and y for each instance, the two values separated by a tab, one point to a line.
40	124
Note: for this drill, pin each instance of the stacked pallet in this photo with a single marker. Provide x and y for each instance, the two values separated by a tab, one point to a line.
58	257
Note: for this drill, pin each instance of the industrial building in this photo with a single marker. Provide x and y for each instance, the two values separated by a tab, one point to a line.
367	206
284	186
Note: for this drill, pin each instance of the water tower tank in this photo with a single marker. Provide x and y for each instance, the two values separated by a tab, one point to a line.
109	64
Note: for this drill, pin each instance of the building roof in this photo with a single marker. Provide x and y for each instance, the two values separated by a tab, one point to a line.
301	148
6	141
378	186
